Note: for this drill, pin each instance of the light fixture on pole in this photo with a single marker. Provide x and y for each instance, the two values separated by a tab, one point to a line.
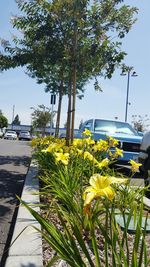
130	73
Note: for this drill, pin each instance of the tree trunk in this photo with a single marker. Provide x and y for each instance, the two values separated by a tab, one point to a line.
74	81
73	103
69	114
59	110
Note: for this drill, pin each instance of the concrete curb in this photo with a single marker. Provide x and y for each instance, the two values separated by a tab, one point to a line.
26	251
146	201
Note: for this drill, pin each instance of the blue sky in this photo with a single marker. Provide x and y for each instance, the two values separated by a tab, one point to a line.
18	89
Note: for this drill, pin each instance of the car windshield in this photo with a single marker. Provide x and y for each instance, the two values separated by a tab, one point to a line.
11	132
24	132
114	127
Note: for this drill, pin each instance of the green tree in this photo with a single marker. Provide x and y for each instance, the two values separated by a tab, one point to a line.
81	38
41	117
140	123
3	121
16	120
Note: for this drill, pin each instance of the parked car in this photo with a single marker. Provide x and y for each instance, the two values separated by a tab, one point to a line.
144	159
129	140
10	135
24	135
144	148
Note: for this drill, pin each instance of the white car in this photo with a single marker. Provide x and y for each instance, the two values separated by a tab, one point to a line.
144	149
10	135
144	159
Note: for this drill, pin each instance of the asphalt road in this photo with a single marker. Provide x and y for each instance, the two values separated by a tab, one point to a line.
15	159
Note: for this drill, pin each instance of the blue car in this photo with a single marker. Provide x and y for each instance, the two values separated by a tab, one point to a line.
129	139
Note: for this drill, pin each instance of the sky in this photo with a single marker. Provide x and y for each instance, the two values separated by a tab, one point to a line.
21	92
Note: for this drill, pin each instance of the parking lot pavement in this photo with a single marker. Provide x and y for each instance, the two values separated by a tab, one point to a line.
14	162
137	179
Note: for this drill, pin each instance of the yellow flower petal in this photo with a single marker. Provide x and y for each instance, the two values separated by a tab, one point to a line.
89	141
115	180
104	163
87	155
87	133
108	192
101	146
77	142
112	142
62	157
88	198
99	181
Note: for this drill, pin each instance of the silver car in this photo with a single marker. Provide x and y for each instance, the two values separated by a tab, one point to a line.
24	135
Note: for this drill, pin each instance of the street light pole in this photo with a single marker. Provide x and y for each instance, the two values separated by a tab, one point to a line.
13	113
127	71
127	96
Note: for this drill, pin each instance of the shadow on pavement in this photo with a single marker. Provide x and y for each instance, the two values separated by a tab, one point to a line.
9	236
3	210
16	161
12	177
11	183
28	265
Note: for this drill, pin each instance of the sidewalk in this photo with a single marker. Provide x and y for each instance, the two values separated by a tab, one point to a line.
26	251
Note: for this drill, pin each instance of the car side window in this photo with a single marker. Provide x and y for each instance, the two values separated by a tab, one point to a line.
88	125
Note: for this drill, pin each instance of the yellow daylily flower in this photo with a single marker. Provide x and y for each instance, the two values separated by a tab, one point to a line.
112	142
104	163
101	146
100	187
62	157
118	153
53	147
77	142
89	141
79	152
134	165
87	133
88	155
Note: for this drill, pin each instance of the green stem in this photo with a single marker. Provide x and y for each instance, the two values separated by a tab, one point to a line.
106	244
125	236
94	244
113	248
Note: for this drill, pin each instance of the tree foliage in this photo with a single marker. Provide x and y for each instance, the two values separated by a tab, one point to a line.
41	117
65	43
140	123
16	120
3	121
